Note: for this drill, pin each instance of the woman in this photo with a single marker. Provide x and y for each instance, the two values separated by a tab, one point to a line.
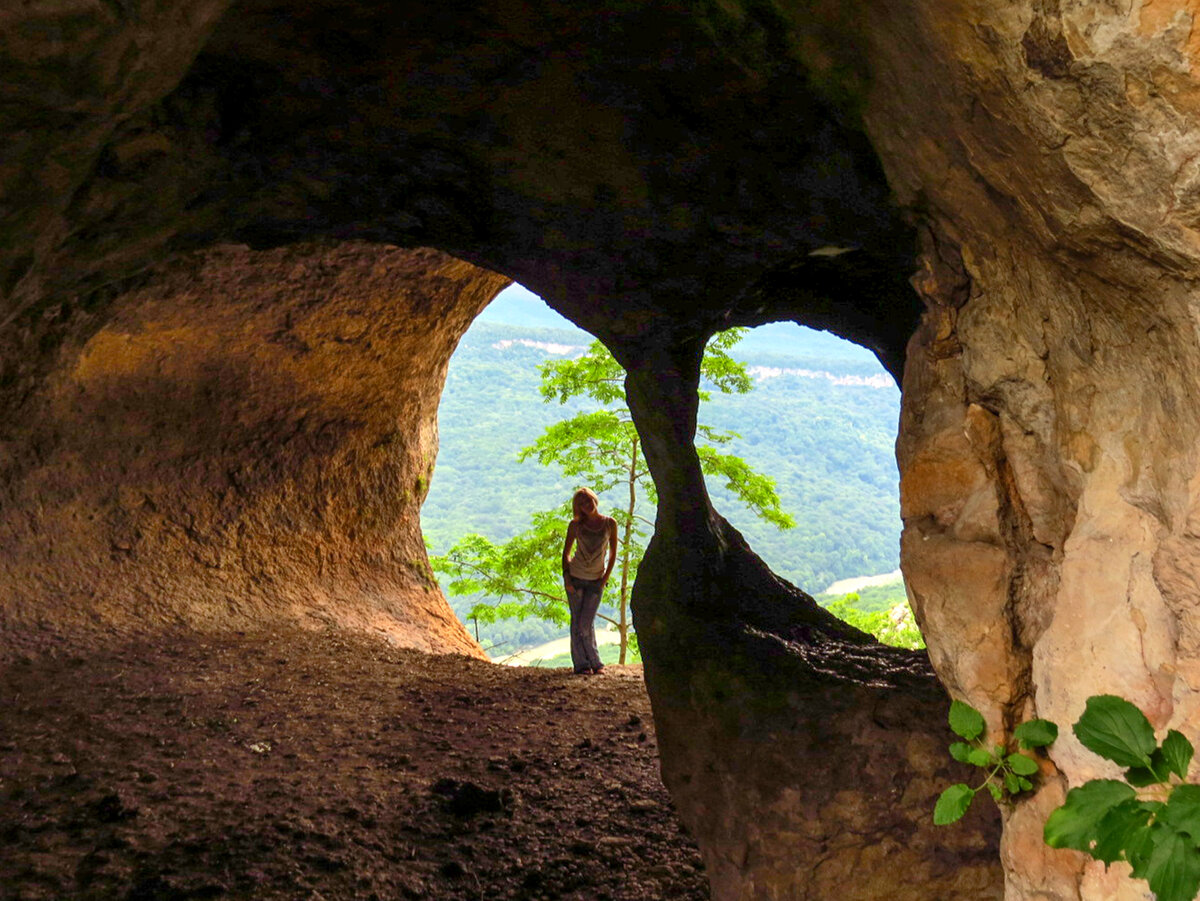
585	573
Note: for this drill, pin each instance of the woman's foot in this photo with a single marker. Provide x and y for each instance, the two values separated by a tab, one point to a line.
596	671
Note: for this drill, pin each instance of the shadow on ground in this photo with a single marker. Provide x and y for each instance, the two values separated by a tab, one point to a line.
324	765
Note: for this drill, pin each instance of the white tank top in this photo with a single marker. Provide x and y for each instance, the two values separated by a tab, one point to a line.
588	559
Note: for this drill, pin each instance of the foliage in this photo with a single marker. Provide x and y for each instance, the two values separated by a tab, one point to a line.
829	444
871	598
601	448
1151	818
1005	773
894	625
522	577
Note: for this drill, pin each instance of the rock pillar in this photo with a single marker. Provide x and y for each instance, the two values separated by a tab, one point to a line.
804	757
1049	495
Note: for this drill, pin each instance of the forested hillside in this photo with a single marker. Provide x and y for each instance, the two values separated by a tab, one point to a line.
821	422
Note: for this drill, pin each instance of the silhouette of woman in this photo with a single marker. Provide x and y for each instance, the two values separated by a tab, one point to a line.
585	574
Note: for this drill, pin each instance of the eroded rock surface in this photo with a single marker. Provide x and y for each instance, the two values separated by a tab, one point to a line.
248	438
1048	434
804	756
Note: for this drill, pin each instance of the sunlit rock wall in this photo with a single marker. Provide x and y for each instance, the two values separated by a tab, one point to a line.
247	438
1049	427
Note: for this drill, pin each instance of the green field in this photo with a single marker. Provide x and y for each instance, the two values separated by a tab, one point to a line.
608	654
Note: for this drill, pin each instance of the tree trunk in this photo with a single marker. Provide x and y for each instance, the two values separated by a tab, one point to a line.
623	608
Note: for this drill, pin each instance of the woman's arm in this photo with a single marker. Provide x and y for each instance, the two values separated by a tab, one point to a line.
612	548
566	556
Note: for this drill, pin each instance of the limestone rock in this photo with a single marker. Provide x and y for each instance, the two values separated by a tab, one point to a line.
1054	157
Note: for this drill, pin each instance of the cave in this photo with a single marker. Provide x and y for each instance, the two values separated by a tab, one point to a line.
241	239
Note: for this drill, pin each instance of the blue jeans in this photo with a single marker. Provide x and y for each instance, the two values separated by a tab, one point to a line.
584	601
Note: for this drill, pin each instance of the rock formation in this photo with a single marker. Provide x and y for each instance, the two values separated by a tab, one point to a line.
248	437
211	345
1047	440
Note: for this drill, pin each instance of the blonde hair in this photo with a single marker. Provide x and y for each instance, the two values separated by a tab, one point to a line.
582	492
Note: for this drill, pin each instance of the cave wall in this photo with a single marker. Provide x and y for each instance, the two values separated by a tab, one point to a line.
587	152
1048	432
581	150
248	438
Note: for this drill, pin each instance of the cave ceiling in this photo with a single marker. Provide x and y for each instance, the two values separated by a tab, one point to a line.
643	167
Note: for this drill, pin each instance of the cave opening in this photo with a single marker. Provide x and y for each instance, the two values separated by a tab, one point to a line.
806	471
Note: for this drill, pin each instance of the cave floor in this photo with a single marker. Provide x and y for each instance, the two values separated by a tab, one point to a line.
328	765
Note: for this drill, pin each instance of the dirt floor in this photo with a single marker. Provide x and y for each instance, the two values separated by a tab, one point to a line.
325	765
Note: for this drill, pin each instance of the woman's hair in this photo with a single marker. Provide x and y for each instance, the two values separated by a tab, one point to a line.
581	493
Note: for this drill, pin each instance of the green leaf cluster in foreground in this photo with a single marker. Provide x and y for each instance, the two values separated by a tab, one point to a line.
1005	773
1151	820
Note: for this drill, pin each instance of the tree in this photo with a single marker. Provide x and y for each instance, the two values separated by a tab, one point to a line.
600	447
895	625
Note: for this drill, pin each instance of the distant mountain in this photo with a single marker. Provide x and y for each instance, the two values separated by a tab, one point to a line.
517	306
821	422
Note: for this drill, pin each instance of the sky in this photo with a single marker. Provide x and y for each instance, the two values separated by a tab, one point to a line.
516	305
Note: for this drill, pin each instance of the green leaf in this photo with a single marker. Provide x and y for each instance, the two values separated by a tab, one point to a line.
1141	776
1174	868
1022	765
994	791
1141	845
961	751
1115	729
1011	783
980	757
1075	824
725	373
1035	734
1177	753
753	489
596	375
965	720
1025	784
1182	811
952	804
1160	768
1122	831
